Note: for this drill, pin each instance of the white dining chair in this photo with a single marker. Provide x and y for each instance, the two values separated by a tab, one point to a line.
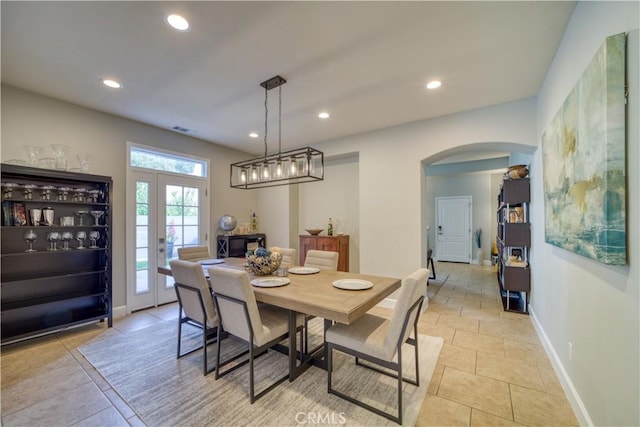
260	326
193	253
195	304
289	256
324	260
379	340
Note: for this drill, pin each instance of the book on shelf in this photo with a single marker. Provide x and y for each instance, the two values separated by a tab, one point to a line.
19	214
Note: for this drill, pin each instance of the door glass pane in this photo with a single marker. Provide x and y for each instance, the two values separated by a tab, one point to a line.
183	212
142	237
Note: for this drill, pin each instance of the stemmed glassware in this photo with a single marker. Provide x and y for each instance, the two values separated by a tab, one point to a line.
65	237
7	189
96	216
45	192
53	237
94	193
80	215
80	237
28	190
30	236
78	194
63	192
93	236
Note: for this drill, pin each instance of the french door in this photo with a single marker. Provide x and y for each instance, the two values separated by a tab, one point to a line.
453	224
165	212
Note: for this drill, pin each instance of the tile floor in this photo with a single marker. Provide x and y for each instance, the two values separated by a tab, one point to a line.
492	369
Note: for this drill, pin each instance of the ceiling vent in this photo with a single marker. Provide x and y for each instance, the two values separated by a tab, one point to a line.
183	129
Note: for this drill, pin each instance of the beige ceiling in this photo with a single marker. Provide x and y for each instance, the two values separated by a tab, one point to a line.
364	62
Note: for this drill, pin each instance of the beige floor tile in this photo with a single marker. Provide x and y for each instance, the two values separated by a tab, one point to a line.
525	351
434	384
135	322
550	380
479	392
463	303
437	331
166	312
60	409
55	377
118	403
535	408
509	370
483	419
74	338
107	417
458	322
480	314
456	357
429	317
437	411
474	341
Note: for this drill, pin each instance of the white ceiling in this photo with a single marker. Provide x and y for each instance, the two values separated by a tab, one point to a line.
364	62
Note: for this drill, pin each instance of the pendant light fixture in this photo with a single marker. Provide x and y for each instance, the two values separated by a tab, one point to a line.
283	168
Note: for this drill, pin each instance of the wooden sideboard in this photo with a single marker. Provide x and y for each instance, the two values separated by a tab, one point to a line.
338	244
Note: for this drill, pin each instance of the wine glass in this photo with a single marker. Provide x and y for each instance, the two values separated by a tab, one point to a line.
94	193
65	237
96	216
53	237
93	236
78	195
7	189
45	192
28	190
30	236
63	192
80	215
80	237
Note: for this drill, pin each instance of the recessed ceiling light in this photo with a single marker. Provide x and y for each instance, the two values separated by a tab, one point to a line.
111	83
324	115
434	84
177	22
253	135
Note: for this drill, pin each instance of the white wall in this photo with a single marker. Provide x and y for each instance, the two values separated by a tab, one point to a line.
479	187
579	300
392	232
31	119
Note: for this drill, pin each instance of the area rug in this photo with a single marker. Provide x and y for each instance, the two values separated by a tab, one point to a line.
142	368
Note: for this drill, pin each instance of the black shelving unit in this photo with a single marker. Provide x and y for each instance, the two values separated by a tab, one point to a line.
48	290
514	241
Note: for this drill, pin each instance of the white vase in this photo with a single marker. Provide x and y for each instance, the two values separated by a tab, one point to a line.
480	257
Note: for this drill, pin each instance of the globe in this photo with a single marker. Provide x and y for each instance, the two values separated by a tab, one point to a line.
228	222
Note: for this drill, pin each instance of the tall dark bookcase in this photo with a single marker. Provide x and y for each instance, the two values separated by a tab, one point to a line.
47	290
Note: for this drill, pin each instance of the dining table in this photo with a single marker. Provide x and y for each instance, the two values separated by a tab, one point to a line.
314	294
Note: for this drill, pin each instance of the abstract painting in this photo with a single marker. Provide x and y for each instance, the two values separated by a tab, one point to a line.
583	153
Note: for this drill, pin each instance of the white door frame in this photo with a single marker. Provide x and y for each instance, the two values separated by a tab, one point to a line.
134	174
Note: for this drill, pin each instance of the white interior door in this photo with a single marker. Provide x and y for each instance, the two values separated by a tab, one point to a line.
161	205
453	229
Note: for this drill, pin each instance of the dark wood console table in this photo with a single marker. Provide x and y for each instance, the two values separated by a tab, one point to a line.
236	245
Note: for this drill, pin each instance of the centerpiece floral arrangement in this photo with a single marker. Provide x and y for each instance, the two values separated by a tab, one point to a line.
263	262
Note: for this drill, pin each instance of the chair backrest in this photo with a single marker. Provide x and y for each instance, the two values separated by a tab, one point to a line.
191	274
324	260
235	284
289	256
194	253
411	290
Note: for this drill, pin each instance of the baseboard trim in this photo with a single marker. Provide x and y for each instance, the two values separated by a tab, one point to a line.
567	385
120	311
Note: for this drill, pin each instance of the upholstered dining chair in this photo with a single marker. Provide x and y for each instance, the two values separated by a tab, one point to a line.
260	326
379	340
324	260
289	256
193	253
195	303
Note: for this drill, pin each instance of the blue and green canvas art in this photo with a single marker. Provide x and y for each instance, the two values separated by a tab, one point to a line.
583	152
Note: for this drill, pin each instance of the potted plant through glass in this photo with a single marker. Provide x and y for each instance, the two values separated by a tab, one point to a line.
477	238
171	239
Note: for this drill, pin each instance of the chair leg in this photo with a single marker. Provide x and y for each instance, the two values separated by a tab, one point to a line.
179	334
399	420
433	269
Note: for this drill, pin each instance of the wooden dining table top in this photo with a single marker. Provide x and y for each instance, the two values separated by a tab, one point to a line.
314	294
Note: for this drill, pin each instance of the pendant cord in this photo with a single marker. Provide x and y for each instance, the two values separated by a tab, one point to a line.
280	120
266	117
